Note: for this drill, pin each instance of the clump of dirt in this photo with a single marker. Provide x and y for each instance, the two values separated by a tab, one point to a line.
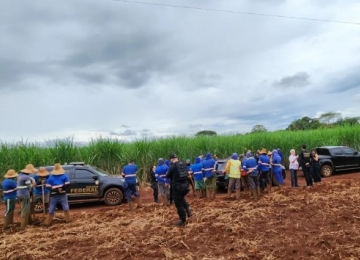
317	223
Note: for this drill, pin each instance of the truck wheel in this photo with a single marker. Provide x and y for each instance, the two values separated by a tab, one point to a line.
326	170
113	196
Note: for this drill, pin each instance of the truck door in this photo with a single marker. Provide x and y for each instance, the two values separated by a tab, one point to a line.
352	157
85	184
338	158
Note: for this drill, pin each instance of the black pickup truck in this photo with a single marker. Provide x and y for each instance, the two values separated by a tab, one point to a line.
337	158
88	183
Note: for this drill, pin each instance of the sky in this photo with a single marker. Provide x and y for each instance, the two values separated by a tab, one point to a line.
91	68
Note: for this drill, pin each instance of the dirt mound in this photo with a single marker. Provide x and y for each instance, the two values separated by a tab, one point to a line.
319	223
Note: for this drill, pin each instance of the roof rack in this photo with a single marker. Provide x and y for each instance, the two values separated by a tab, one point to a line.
77	163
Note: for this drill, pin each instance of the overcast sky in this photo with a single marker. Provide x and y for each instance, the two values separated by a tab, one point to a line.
97	67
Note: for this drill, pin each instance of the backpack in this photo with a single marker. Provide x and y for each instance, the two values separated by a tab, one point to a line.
182	170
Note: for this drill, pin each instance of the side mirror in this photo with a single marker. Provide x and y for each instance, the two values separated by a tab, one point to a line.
95	177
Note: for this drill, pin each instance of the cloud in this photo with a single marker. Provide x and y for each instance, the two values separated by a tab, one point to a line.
344	81
127	132
298	80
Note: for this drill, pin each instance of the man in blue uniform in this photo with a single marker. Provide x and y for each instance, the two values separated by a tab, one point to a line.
9	195
250	165
264	167
178	174
277	169
40	191
24	185
210	177
163	182
196	171
58	183
129	172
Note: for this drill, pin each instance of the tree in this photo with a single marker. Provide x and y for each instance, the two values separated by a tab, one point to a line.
350	121
305	123
206	132
258	129
329	117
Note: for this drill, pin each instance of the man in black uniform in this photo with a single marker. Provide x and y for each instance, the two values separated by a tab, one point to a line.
178	175
304	161
154	184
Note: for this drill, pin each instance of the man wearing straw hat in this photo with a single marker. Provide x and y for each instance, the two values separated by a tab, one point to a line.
9	192
24	185
40	190
58	183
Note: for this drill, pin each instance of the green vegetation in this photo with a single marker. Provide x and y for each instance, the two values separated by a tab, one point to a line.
111	155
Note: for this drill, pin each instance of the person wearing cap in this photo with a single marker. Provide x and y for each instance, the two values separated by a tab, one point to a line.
196	171
250	165
233	169
264	164
9	195
210	177
24	185
40	191
277	169
154	184
163	182
129	173
178	174
58	184
190	177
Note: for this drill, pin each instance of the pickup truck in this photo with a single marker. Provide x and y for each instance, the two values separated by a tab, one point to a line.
88	183
337	158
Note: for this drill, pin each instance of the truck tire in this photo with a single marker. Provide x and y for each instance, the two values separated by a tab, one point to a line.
113	197
326	170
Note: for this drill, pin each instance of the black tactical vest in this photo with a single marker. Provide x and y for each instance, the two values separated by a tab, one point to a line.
181	173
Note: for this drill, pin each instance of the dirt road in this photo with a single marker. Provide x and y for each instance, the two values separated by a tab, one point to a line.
320	223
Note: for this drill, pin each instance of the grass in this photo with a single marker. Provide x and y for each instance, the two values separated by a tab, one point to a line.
112	154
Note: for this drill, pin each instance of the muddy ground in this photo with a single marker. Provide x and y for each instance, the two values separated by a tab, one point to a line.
318	223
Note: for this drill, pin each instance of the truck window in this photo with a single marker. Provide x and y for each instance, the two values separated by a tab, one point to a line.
348	151
83	174
336	151
322	151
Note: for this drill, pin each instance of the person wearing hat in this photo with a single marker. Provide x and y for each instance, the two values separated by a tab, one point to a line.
264	163
58	183
190	177
250	165
163	182
178	174
277	169
40	190
233	169
196	171
210	176
24	186
9	195
129	173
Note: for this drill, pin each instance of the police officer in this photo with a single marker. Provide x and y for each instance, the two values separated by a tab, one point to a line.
178	175
304	161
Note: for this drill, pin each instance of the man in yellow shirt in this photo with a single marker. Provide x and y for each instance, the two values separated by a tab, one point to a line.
233	168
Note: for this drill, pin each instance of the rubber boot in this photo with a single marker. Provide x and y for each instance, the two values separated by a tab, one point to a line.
254	193
228	193
48	219
6	222
23	223
67	216
131	207
11	217
237	194
139	202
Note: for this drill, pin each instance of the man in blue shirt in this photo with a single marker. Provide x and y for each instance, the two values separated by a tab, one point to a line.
196	171
9	193
40	191
210	177
251	166
58	184
129	173
163	182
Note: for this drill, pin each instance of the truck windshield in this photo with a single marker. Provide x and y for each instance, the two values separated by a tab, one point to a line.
100	171
220	166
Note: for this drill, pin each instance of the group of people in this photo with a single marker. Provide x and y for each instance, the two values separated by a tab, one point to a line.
31	184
